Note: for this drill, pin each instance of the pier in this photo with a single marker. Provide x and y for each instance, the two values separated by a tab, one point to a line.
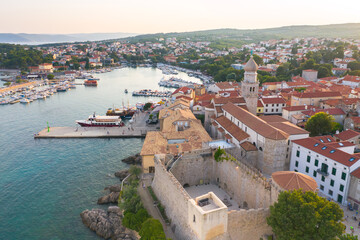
137	129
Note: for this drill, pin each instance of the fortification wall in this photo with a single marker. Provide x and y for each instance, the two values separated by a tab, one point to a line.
274	156
175	199
193	169
248	224
247	187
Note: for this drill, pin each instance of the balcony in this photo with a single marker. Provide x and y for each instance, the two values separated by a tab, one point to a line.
324	173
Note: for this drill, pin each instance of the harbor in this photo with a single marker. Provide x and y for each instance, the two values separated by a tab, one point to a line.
136	129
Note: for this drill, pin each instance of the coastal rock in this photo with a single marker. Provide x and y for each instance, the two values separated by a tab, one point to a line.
107	224
136	159
112	197
122	174
113	188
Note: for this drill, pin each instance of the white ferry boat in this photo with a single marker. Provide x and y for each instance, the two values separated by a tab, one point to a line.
101	121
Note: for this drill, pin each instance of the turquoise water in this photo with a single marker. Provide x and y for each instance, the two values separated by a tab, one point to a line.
46	183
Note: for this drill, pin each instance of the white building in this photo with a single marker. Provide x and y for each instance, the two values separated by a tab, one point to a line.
273	105
329	162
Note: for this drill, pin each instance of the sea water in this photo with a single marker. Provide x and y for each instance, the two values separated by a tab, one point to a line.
46	183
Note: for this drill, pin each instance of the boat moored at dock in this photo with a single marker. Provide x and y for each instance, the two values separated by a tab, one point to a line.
101	121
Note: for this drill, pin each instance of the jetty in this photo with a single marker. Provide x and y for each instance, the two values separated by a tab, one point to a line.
137	129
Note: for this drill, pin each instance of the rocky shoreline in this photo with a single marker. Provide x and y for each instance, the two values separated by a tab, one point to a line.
108	223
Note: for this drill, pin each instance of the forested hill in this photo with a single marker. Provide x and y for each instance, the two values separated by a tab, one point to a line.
237	36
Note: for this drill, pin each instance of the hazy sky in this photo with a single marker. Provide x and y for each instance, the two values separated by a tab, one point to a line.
151	16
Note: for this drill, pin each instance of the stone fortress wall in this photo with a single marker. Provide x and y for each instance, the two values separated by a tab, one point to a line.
253	193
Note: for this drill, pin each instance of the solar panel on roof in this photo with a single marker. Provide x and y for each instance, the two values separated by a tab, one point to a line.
351	159
329	139
321	140
323	148
316	144
332	151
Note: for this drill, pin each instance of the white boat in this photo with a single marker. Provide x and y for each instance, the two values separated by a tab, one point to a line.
101	121
25	101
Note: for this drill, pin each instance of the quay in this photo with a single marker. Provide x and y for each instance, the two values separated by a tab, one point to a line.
93	132
137	129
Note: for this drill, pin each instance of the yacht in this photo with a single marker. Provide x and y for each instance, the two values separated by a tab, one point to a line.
101	121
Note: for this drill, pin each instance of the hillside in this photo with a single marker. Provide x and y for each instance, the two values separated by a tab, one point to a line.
349	30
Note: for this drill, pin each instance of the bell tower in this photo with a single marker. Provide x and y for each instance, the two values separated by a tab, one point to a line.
250	85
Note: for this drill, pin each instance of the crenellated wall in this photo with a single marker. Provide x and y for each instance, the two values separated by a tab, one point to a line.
175	199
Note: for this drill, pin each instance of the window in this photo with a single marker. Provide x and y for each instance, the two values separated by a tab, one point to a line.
296	170
330	192
333	172
343	176
307	169
321	187
341	188
323	178
272	110
194	218
331	182
314	173
298	153
340	198
265	110
316	162
308	159
324	168
296	164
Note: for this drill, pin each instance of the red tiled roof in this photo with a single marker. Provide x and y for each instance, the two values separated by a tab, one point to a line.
247	146
270	100
348	134
356	173
295	108
331	111
230	127
290	180
327	151
224	100
182	89
317	94
255	123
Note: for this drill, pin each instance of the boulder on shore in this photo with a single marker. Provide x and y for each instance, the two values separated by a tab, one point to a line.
112	197
122	174
114	188
107	224
136	159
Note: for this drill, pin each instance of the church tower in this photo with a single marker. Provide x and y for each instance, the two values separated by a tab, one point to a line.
250	85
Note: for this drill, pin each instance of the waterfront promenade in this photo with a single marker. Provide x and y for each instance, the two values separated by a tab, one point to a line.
137	129
2	90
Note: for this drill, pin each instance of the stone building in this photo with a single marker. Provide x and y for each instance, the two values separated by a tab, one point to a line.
310	75
270	135
179	131
250	85
207	199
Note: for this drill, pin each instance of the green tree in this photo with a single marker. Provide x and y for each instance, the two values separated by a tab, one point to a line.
319	124
348	237
50	76
354	66
323	72
152	230
135	171
299	216
147	106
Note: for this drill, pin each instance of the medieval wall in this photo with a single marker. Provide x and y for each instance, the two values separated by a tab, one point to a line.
193	169
248	188
248	224
273	158
175	199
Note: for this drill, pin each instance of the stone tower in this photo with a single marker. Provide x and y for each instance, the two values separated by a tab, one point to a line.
250	85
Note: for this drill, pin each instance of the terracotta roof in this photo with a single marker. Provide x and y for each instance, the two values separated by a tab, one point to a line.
355	119
340	144
356	173
230	127
259	104
226	85
272	118
182	90
317	94
254	122
295	108
247	146
327	151
348	134
270	100
309	70
224	100
331	111
290	180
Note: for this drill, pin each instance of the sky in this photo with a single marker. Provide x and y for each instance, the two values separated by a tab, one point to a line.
153	16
